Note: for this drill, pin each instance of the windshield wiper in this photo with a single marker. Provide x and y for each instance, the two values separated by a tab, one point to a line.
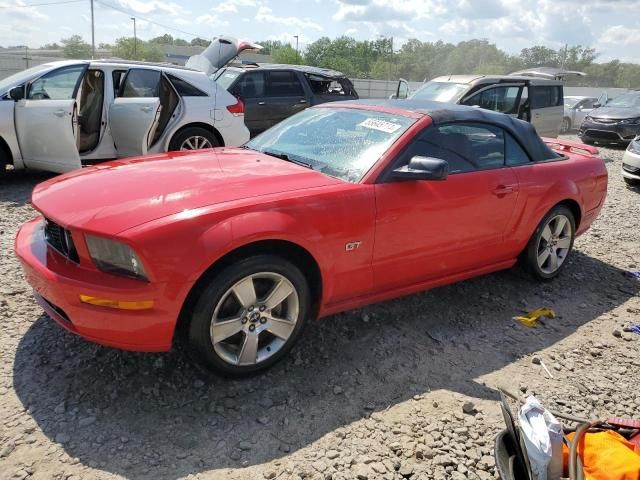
284	156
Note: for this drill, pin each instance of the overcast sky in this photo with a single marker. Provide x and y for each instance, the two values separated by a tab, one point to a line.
611	26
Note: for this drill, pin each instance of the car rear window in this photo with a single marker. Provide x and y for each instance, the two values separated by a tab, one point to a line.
184	88
226	78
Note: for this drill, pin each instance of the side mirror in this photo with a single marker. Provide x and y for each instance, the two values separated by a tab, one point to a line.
597	105
422	168
16	93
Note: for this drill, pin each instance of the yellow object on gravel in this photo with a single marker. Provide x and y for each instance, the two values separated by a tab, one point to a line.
531	318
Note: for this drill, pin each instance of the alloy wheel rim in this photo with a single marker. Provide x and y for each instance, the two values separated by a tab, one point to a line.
554	244
197	142
254	319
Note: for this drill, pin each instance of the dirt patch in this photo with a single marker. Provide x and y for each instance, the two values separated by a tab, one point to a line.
374	393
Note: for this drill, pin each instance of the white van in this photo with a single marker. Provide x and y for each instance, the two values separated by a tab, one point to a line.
536	100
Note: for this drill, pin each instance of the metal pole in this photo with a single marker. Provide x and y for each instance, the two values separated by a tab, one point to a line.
297	55
135	39
93	35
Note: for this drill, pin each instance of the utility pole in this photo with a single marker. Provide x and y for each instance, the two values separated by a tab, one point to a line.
93	35
135	39
297	56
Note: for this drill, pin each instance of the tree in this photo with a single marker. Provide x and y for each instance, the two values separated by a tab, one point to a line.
269	46
165	39
76	47
539	56
200	42
286	54
125	48
50	46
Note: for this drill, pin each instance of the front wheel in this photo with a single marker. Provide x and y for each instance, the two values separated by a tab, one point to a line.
193	138
551	243
566	125
249	315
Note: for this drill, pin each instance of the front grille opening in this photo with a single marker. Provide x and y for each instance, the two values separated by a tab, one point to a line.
57	309
630	168
602	134
60	240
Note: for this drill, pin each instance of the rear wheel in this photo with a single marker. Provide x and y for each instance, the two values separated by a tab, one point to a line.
566	125
4	161
632	182
249	315
551	243
193	138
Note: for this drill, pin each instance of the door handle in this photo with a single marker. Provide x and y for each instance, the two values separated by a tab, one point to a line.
60	113
260	103
146	109
502	190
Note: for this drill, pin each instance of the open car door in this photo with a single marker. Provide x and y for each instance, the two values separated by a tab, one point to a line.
46	120
133	123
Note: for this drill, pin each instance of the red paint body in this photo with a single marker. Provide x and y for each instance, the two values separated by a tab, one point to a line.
182	212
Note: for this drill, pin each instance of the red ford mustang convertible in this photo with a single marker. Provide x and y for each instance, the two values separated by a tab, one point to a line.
339	206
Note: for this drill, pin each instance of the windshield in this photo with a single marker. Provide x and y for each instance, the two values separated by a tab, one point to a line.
21	77
627	100
226	77
341	142
440	91
570	102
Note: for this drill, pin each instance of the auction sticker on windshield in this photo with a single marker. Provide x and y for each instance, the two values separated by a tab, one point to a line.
382	125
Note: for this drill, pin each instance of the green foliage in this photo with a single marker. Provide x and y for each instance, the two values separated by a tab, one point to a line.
168	39
286	54
200	42
141	50
76	47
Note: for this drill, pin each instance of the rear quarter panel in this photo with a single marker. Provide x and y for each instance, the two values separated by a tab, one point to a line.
543	185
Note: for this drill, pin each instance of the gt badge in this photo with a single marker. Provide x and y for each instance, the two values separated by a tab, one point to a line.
352	246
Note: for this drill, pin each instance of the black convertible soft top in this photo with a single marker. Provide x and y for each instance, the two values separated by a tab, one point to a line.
445	113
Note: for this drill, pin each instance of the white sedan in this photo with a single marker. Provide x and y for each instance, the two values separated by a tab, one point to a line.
61	115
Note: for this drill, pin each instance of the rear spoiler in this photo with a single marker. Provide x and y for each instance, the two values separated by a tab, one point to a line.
569	146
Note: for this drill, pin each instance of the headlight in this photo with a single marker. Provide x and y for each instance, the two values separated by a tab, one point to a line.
115	257
634	146
630	121
588	118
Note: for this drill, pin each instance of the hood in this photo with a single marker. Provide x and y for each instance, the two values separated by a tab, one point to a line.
220	51
615	113
112	197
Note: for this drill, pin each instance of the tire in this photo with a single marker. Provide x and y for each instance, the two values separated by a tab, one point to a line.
193	138
539	260
223	329
632	182
587	141
566	125
4	162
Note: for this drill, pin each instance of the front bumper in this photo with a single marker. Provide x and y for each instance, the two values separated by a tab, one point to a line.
59	282
608	132
631	165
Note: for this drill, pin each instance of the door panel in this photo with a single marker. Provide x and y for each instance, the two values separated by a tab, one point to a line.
133	123
428	229
250	87
47	133
285	95
547	109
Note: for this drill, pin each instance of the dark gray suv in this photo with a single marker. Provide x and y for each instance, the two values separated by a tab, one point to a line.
273	92
617	121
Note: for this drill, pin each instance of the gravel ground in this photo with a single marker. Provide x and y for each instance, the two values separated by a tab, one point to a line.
397	390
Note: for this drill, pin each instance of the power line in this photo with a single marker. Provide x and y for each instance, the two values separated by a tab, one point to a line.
41	4
122	10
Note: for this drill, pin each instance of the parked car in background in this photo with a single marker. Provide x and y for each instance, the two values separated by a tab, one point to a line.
535	100
617	121
236	249
576	108
272	92
61	115
631	163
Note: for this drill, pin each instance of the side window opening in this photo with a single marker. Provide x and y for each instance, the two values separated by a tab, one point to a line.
514	153
184	88
250	85
141	83
284	84
466	147
546	96
328	86
60	84
498	99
